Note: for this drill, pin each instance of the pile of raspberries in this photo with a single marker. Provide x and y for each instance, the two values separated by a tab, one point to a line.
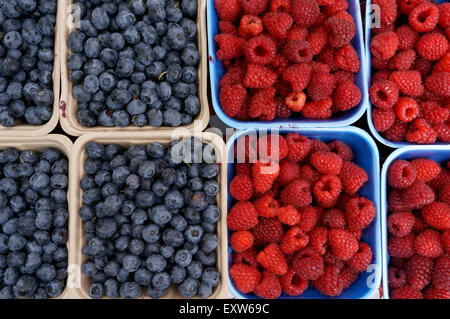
419	229
297	218
286	58
411	79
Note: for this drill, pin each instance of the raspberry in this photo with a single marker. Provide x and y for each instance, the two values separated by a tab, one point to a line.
304	12
272	146
335	7
389	10
259	76
343	244
407	5
298	51
407	37
397	277
263	103
348	276
380	75
230	46
340	31
309	174
255	7
395	201
272	258
317	39
297	194
245	149
424	17
428	243
326	162
242	216
318	145
318	109
433	293
444	194
330	283
441	180
432	46
383	94
269	287
383	119
359	213
266	206
441	274
295	101
437	215
235	75
384	45
326	56
405	292
243	168
423	66
443	132
443	65
241	187
343	76
296	33
361	259
418	195
250	26
439	83
421	132
352	177
408	82
333	218
444	15
282	111
327	190
227	27
402	247
347	59
307	264
268	230
299	146
241	240
260	50
320	86
403	61
330	259
277	24
400	223
279	63
264	174
298	75
289	171
418	271
245	277
341	149
426	169
309	217
406	109
294	240
292	284
434	113
318	239
288	215
280	5
379	64
343	200
232	98
227	10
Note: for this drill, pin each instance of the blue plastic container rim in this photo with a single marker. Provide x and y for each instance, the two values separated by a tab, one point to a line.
374	132
344	119
372	187
438	153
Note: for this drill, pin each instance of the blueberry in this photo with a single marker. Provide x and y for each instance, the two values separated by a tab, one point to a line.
156	10
174	14
16	242
207	259
6	293
151	233
81	94
46	272
155	263
10	276
198	201
161	28
209	242
204	290
153	292
181	90
76	41
138	7
143	277
131	263
111	288
139	217
136	107
195	184
161	280
195	269
189	27
189	74
172	58
54	288
100	18
96	290
173	237
125	19
183	258
188	288
155	69
136	247
121	118
105	228
131	35
25	287
160	215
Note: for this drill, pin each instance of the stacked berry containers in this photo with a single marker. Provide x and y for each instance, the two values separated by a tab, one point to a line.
438	153
216	71
366	156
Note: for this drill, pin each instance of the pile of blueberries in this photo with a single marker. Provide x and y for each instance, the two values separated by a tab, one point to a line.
134	62
150	219
33	219
27	40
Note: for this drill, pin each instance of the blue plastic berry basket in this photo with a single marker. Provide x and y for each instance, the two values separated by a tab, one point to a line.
366	156
438	153
216	71
374	132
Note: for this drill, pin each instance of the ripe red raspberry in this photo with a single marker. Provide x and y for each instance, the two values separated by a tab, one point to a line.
304	12
298	75
260	50
227	27
383	119
272	258
344	198
340	31
326	191
321	86
317	39
401	174
277	24
264	174
418	271
318	110
407	37
418	195
268	230
347	59
245	277
318	145
269	287
243	168
383	94
352	177
241	240
250	26
297	194
407	5
263	103
326	56
384	45
443	65
341	149
433	293
441	274
292	284
432	46
348	276
279	63
444	194
397	277
289	171
288	215
230	46
309	174
443	132
259	76
326	162
343	76
389	11
245	149
380	75
402	247
395	201
405	292
335	7
228	10
330	283
380	65
424	17
437	215
361	259
309	218
428	244
249	257
255	7
299	146
294	240
242	216
297	33
295	101
434	113
423	66
408	82
232	99
298	51
403	61
406	109
400	223
266	206
441	180
330	259
426	169
343	244
235	75
439	83
241	187
421	132
272	146
444	15
359	213
307	264
318	239
282	111
280	5
333	218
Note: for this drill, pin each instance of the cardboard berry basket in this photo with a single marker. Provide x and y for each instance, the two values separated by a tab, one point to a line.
366	156
68	114
438	153
22	128
217	70
76	233
63	144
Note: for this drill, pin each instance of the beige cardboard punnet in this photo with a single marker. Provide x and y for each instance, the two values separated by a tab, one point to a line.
79	282
68	118
24	129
